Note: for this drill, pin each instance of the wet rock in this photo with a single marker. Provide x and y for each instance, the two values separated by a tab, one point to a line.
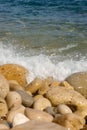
14	72
79	82
34	85
41	103
3	107
4	86
27	100
33	114
39	125
13	99
19	119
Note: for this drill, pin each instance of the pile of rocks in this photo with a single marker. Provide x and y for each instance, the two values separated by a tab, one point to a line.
41	104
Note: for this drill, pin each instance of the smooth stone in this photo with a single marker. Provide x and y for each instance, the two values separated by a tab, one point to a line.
63	95
79	82
27	100
63	109
4	127
36	97
13	99
33	114
50	110
39	125
34	85
4	86
41	103
14	111
19	119
3	107
14	85
15	72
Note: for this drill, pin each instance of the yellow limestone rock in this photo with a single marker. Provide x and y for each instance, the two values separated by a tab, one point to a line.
14	72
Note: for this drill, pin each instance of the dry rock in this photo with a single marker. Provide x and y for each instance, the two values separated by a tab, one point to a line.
39	125
33	114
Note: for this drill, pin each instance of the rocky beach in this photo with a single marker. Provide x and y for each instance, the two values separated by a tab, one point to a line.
43	103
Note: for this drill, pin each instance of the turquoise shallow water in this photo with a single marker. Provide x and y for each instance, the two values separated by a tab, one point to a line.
49	37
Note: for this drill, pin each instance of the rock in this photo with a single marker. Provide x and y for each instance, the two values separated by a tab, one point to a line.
79	82
4	125
37	97
34	85
14	72
33	114
70	120
63	109
39	125
13	99
41	103
14	85
19	119
43	89
50	110
14	111
4	86
3	107
63	95
27	100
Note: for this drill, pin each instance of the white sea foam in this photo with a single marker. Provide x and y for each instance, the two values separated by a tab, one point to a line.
41	65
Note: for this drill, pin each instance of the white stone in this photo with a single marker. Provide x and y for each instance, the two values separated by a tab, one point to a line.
19	119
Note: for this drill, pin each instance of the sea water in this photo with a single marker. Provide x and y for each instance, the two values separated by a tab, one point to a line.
48	37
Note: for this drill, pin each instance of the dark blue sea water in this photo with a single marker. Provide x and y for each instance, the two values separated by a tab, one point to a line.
49	37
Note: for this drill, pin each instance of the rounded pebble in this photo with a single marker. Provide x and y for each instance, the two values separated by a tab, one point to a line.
33	114
41	103
13	99
27	100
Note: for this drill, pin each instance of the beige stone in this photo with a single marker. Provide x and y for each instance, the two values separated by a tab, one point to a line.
13	99
14	85
70	120
14	72
34	85
4	86
3	107
41	103
37	97
43	89
62	95
39	125
63	109
33	114
14	111
79	82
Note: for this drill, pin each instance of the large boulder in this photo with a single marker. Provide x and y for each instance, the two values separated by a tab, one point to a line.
14	72
79	82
